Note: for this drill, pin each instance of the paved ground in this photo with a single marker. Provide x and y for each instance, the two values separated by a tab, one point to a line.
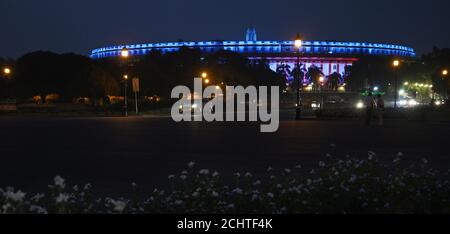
111	153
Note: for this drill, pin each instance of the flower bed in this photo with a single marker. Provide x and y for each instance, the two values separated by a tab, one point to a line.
338	184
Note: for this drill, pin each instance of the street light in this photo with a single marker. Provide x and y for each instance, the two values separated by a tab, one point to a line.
125	81
204	75
298	42
7	71
207	81
444	75
396	64
124	54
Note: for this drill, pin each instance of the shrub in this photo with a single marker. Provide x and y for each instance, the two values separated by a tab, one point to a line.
340	185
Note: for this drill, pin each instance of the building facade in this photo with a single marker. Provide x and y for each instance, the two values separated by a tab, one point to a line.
327	56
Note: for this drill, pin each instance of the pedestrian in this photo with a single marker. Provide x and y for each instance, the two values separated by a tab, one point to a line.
380	109
370	106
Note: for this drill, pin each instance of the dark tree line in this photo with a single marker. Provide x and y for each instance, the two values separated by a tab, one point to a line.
71	76
68	75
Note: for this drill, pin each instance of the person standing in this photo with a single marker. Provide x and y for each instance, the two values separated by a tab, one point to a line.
370	106
380	109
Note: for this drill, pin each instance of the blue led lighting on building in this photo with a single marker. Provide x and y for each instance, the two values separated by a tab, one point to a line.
267	48
329	56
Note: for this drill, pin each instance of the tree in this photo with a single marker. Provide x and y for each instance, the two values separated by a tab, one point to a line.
68	75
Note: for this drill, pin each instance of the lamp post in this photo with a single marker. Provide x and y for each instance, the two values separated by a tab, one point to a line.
444	75
124	54
125	82
396	64
7	72
298	44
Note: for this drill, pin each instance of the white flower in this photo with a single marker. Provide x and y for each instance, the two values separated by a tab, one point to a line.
61	198
183	177
119	206
215	194
87	187
424	161
171	177
59	182
298	166
191	164
215	174
396	160
352	179
270	195
178	202
371	155
184	172
248	174
255	197
37	197
204	172
257	183
322	164
237	174
14	196
269	169
195	194
362	190
288	171
399	154
38	209
237	191
230	206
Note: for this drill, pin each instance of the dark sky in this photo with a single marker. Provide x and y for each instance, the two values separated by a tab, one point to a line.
80	25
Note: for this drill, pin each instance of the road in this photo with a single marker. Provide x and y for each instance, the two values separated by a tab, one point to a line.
111	153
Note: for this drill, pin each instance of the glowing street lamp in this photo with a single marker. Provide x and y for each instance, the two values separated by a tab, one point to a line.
204	75
444	75
207	81
396	64
7	71
124	53
298	43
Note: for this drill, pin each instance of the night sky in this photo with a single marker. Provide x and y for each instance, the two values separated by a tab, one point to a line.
81	25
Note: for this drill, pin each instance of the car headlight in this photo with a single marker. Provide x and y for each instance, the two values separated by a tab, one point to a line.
360	105
412	102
